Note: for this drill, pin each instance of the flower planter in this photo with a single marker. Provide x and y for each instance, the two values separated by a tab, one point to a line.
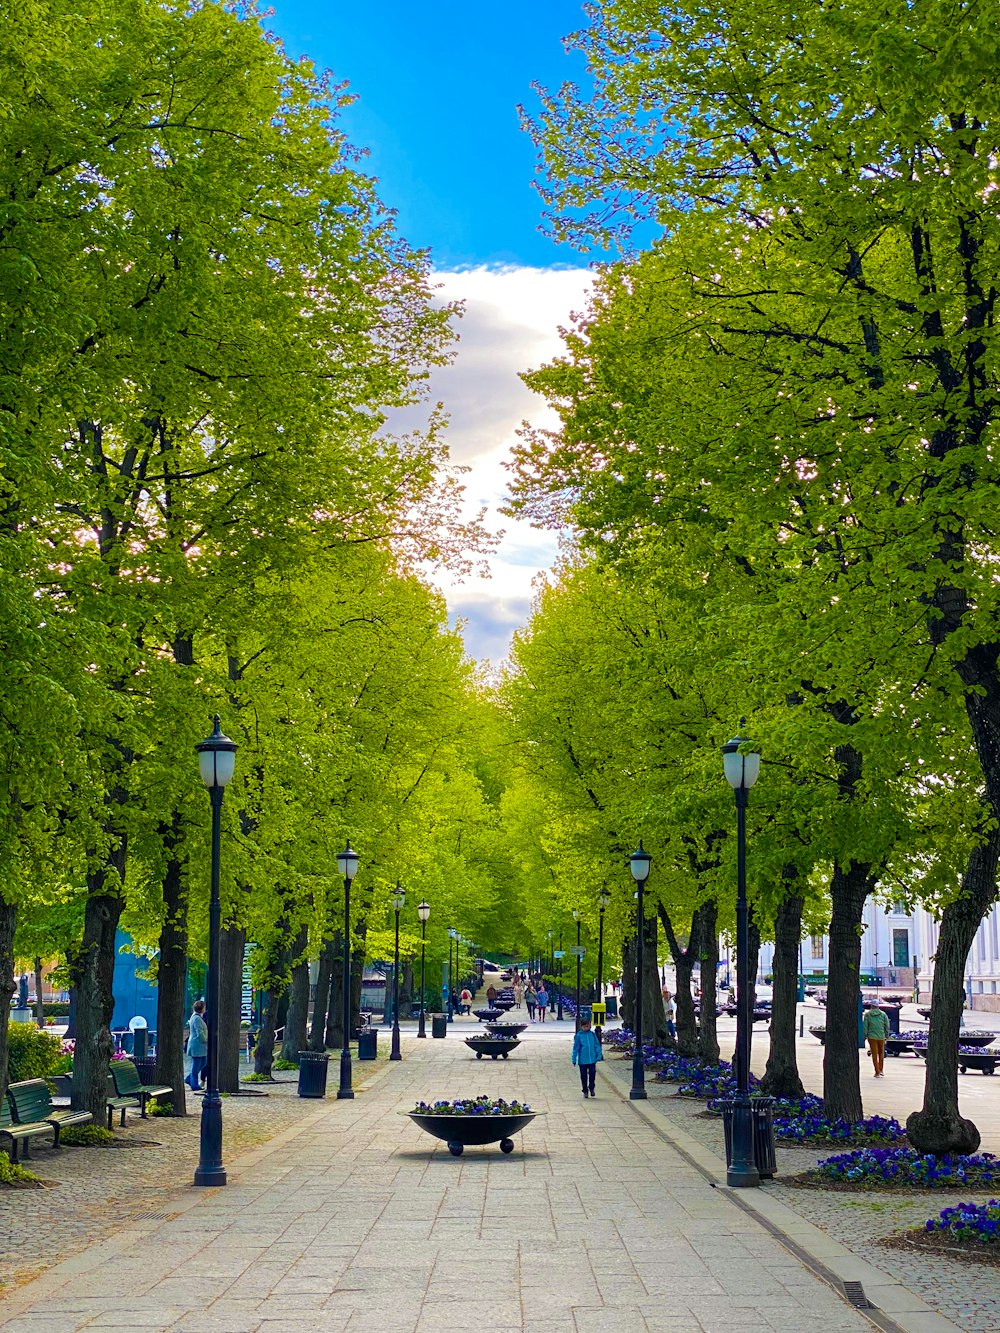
984	1061
464	1131
500	1029
488	1015
491	1046
504	1005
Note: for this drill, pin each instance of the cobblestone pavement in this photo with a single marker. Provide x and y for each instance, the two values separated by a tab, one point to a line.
355	1220
969	1296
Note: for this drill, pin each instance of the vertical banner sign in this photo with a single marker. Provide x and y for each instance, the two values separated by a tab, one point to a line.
246	996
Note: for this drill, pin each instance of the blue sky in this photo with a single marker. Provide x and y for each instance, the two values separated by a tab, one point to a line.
438	87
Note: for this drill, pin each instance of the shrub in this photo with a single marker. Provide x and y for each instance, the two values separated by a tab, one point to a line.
12	1175
86	1136
154	1107
31	1053
901	1168
284	1064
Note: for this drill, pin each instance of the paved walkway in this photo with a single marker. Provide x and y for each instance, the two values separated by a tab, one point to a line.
355	1220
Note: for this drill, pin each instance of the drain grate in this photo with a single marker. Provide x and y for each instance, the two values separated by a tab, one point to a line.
154	1217
855	1293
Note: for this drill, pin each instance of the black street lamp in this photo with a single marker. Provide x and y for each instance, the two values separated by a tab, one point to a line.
639	863
423	912
559	1012
398	902
347	864
451	975
217	763
603	899
579	965
550	961
742	771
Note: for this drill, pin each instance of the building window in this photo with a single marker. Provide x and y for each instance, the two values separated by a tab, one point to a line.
899	907
901	948
817	946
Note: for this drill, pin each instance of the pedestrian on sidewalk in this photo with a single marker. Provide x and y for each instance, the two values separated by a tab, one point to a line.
586	1053
542	1002
518	993
531	1000
669	1011
876	1028
197	1044
466	1000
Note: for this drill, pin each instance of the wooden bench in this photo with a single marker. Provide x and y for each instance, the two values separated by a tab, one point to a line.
127	1084
19	1133
31	1105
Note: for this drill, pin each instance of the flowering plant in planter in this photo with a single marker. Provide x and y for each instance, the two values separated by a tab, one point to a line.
472	1106
969	1221
905	1168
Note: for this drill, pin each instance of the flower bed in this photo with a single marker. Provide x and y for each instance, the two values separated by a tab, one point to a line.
807	1130
472	1106
969	1221
903	1168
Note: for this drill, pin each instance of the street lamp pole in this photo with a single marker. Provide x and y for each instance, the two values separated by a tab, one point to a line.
639	863
559	1012
398	901
423	912
347	864
603	899
579	965
216	763
451	977
742	771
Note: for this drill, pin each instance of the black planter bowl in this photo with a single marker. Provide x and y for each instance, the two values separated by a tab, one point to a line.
504	1005
966	1038
501	1029
487	1015
491	1046
467	1131
985	1061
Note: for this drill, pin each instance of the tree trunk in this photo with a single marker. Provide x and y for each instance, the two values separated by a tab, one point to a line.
687	1026
357	968
263	1056
321	1004
94	970
406	988
171	976
938	1127
335	1009
231	952
39	1003
849	890
298	1001
8	920
708	935
781	1077
71	1020
654	1023
627	1006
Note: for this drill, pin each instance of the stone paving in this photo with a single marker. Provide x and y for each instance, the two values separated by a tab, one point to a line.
353	1219
969	1296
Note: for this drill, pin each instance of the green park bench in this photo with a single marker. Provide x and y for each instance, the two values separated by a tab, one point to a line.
19	1133
127	1084
31	1104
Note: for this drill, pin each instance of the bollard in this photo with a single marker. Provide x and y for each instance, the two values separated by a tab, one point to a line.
802	1025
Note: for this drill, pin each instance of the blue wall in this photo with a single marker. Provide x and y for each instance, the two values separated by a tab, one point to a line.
133	994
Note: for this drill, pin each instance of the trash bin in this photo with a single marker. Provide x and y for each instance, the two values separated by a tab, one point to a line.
762	1113
891	1012
312	1073
439	1025
368	1044
146	1069
612	1002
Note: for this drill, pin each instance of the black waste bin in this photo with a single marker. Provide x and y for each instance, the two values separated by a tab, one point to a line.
612	1002
146	1069
891	1012
368	1044
762	1112
439	1025
312	1073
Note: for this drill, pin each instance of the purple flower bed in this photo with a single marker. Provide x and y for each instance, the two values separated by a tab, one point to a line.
878	1168
969	1221
817	1129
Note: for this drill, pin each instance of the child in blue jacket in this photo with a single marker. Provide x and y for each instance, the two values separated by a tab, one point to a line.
586	1053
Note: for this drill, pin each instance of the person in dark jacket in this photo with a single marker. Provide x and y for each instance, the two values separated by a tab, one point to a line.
586	1053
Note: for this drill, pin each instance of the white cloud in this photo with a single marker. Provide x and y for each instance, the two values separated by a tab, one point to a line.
511	324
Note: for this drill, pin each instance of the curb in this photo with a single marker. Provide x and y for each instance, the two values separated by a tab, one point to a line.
893	1308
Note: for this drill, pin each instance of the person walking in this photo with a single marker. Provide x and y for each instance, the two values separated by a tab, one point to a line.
669	1012
531	1000
542	1001
518	993
876	1029
586	1053
491	993
197	1044
465	1000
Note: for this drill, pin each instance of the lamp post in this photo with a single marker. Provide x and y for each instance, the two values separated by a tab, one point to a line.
451	976
742	771
398	901
347	864
603	899
559	1012
550	961
639	863
579	965
423	912
217	763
